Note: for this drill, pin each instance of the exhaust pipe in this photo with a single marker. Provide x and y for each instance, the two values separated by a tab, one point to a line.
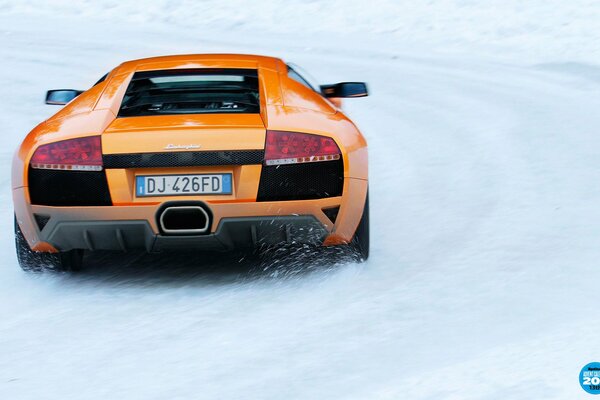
184	220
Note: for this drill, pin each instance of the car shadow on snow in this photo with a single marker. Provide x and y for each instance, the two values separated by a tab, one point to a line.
195	268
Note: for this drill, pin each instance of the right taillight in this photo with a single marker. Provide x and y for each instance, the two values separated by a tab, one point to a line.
293	147
80	154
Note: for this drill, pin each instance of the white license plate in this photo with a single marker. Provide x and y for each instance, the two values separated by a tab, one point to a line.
180	185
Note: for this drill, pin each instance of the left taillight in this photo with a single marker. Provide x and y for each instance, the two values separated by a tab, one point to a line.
81	154
294	147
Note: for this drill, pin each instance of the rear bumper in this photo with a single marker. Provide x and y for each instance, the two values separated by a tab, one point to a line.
234	224
232	233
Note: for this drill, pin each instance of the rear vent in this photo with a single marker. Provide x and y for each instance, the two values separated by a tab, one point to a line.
332	213
41	220
305	181
183	159
68	188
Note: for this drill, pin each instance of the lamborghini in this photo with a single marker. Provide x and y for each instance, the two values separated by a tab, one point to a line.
211	152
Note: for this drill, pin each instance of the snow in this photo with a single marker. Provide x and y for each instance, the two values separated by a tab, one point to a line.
485	217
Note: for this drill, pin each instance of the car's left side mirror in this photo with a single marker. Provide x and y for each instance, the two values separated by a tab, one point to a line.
61	96
345	89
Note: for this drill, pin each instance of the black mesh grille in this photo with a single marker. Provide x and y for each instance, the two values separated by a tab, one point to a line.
183	159
301	181
68	188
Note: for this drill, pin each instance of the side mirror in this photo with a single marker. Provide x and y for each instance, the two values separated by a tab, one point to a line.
345	89
61	96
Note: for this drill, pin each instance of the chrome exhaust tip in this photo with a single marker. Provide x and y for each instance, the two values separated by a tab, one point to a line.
184	220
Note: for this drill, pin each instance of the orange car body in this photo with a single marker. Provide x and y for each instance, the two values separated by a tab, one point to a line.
285	105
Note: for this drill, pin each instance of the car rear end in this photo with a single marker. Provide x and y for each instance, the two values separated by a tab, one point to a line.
183	168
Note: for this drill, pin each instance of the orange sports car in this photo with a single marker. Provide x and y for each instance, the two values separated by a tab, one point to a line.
211	152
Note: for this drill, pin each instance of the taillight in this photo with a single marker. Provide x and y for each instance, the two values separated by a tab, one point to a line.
292	148
81	154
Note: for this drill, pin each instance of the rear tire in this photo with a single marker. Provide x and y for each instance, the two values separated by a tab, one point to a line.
34	261
360	241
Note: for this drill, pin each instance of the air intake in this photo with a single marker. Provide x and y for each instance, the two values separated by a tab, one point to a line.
332	213
41	220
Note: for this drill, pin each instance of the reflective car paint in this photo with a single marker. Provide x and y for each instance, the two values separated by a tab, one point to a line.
286	105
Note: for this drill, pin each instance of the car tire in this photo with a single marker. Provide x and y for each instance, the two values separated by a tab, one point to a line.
33	261
360	241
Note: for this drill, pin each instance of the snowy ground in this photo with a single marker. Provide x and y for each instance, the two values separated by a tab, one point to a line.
485	218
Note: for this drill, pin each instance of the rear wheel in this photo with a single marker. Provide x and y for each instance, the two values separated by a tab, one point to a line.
33	261
360	241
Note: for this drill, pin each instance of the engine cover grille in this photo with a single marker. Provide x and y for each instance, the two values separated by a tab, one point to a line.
183	159
304	181
49	187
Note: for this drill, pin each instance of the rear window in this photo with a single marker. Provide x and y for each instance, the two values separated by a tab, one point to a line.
198	91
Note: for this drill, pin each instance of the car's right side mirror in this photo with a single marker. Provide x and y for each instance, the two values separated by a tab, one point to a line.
61	96
345	89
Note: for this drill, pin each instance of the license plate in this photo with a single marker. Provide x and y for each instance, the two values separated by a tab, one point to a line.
181	185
